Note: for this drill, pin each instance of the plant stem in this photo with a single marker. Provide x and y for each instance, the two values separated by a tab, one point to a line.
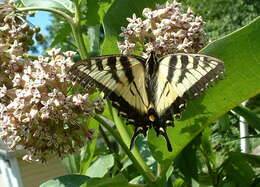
77	33
66	16
121	127
140	164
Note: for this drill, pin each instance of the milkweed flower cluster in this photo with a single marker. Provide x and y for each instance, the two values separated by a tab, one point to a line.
165	30
36	111
15	39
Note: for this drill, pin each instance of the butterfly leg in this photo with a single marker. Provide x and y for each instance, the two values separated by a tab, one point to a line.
162	131
138	130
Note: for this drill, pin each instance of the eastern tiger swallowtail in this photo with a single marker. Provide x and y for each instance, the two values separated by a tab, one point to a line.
149	92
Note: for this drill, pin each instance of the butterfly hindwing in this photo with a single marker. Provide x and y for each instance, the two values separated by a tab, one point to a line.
184	76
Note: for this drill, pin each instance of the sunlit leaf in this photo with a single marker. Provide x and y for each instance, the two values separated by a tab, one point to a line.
66	181
117	181
96	11
100	167
62	5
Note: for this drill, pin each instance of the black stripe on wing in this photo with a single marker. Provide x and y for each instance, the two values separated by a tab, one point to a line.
127	68
107	64
111	62
207	80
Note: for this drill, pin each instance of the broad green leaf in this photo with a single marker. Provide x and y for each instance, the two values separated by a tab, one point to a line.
240	52
62	5
66	181
115	18
96	10
100	167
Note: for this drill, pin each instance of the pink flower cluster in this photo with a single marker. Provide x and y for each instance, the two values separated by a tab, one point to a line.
36	113
165	30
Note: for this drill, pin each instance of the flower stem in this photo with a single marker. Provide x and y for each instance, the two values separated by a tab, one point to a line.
66	16
77	33
121	127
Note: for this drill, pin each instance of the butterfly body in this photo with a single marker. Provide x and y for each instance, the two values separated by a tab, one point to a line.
149	92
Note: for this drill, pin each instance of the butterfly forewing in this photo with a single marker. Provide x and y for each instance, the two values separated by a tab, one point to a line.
123	75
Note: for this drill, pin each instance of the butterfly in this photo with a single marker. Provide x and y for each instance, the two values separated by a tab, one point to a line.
152	92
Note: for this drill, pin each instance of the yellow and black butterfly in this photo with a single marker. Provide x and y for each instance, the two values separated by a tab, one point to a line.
149	92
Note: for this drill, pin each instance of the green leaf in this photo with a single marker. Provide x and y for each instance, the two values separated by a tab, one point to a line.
62	34
224	122
72	163
254	160
66	181
100	167
117	181
229	184
81	180
178	182
89	150
240	52
187	162
205	141
115	18
96	11
62	5
93	40
238	170
252	119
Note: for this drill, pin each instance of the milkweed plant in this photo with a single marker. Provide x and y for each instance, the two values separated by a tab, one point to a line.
45	114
